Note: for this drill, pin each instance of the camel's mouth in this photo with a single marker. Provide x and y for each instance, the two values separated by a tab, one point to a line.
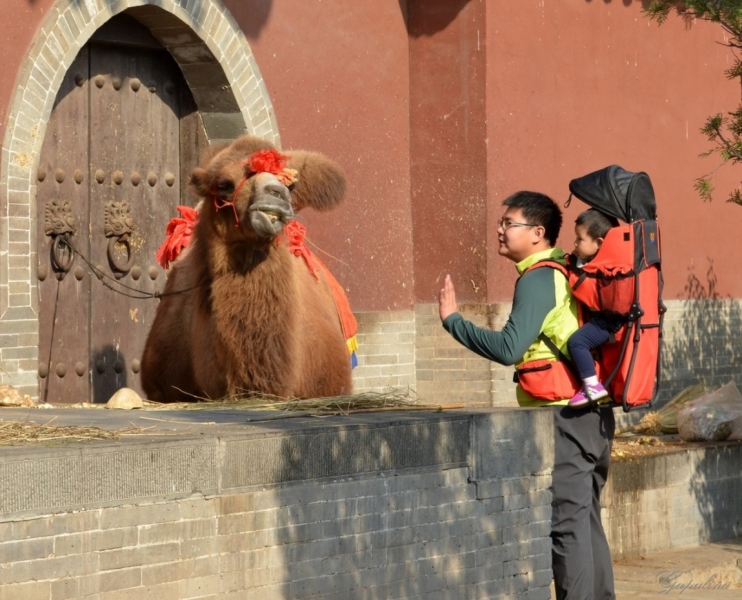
268	220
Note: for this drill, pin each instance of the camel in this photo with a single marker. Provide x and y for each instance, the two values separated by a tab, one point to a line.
241	313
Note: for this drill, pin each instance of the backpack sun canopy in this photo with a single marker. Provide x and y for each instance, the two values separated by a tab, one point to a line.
618	193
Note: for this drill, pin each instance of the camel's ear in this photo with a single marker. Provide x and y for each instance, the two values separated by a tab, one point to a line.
198	181
321	183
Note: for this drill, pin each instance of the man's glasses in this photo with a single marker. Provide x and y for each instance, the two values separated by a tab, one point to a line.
506	224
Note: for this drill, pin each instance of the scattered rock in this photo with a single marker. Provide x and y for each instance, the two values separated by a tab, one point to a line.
125	399
10	396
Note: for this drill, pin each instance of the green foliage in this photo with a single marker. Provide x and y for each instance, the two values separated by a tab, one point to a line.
728	13
704	187
725	132
735	70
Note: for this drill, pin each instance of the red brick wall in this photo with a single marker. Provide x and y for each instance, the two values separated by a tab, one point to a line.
576	86
338	76
436	125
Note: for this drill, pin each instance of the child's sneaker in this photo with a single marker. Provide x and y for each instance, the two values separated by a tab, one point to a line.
589	393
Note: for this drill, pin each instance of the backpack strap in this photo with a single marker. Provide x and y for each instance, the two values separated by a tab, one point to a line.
551	263
559	354
554	264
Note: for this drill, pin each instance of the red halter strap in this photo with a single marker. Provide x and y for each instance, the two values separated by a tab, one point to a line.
262	161
219	203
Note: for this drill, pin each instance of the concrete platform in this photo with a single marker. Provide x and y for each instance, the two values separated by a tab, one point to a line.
164	453
707	572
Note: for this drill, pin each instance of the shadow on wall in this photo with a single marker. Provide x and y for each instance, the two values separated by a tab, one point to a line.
644	3
428	17
705	342
252	15
108	366
385	508
375	526
716	485
706	345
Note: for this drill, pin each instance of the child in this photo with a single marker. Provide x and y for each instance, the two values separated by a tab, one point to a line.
591	228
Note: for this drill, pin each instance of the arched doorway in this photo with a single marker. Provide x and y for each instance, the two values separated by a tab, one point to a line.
123	136
218	65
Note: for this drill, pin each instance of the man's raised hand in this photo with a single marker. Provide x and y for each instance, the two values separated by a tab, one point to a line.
447	299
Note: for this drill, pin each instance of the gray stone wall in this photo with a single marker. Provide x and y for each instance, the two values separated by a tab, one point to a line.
367	507
370	506
670	500
386	352
702	342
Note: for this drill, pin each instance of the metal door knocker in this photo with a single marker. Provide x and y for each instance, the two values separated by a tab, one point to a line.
60	225
118	227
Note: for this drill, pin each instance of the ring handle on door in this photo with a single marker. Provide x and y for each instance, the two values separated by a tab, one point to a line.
60	225
113	259
119	225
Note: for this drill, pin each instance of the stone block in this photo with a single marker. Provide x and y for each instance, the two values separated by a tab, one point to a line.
512	443
139	515
239	542
120	579
139	556
213	100
236	503
199	587
246	560
167	591
197	548
54	568
198	508
26	550
65	589
222	125
56	525
35	590
169	532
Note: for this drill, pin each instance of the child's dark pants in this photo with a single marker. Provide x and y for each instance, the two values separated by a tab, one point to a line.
591	335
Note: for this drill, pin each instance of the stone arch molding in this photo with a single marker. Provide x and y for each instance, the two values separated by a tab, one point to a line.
229	91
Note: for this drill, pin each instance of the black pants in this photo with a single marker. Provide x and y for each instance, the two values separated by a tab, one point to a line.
581	559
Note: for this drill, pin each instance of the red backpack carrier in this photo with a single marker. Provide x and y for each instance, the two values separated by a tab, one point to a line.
624	279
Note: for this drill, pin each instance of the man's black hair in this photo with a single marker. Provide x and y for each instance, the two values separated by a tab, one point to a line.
596	223
538	209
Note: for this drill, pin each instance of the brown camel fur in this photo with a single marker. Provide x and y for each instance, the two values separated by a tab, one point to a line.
255	319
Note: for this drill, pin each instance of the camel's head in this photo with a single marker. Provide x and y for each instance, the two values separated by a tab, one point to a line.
252	191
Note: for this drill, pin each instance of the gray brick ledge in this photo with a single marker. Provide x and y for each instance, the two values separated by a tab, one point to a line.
239	455
46	480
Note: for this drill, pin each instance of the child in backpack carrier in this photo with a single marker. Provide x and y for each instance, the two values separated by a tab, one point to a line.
591	227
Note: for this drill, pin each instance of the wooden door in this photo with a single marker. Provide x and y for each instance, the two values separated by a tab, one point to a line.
62	205
115	133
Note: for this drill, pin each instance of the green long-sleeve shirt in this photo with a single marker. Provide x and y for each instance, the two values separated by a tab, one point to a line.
542	303
533	299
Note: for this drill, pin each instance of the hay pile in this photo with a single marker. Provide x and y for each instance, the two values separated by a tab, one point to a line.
666	419
21	432
336	405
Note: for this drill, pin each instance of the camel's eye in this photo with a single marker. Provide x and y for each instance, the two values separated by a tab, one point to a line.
276	193
224	186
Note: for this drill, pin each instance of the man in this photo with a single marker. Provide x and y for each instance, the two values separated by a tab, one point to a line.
543	304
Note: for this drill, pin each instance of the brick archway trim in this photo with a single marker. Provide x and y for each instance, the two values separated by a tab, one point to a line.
218	65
